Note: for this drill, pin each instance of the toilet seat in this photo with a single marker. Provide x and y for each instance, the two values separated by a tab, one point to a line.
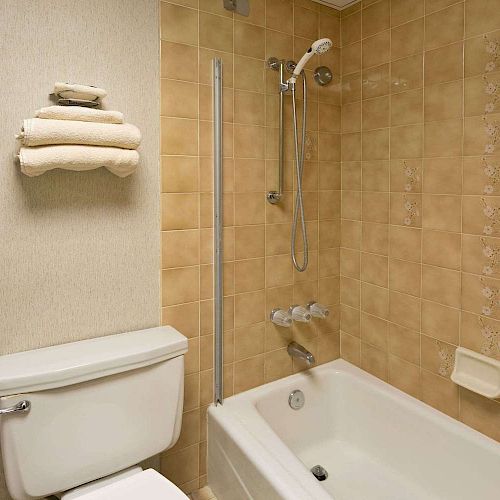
147	485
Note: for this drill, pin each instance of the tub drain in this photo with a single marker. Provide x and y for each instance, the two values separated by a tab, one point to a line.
319	472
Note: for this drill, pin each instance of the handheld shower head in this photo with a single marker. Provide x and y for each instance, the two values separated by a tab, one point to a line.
321	46
318	47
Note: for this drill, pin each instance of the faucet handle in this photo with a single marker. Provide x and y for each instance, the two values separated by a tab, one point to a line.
299	313
281	318
317	310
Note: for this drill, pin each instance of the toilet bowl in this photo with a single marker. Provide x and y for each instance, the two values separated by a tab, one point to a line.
133	484
77	418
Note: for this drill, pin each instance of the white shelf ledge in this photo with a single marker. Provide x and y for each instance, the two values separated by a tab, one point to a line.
477	372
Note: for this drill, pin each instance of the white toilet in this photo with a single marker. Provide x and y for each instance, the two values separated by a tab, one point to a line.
75	419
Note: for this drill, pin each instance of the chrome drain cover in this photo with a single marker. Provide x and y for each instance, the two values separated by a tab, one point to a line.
320	473
296	399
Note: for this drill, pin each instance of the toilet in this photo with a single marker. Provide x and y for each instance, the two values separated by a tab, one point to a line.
76	419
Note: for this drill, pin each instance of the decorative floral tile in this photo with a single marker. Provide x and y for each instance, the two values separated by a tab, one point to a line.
490	336
446	355
412	177
490	339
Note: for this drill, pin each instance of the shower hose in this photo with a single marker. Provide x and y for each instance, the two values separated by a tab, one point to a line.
298	212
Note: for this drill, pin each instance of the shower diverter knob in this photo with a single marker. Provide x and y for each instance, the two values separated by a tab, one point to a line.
300	313
318	310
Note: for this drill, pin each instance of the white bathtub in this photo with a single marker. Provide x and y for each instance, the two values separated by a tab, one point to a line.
376	443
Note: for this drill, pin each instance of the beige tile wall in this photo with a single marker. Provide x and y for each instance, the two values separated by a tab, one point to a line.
419	237
413	253
258	271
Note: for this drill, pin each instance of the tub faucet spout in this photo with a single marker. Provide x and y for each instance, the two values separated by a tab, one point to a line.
297	351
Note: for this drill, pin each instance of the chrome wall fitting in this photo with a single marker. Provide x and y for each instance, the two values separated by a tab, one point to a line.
317	310
323	75
299	313
241	7
273	197
297	351
281	318
290	66
273	63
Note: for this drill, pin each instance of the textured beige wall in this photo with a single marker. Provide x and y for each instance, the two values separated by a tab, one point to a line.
79	252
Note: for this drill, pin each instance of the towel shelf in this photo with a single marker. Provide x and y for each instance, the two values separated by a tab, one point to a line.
77	102
74	94
76	136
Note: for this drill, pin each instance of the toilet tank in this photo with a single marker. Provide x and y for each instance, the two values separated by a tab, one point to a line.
97	406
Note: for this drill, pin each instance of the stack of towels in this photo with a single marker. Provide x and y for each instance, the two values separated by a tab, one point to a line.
78	137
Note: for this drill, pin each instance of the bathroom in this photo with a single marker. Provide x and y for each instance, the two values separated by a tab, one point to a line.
394	343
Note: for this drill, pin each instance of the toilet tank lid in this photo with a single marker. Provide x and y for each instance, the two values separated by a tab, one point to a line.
67	364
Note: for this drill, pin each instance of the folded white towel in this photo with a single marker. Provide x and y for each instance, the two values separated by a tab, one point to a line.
79	113
76	91
40	132
36	161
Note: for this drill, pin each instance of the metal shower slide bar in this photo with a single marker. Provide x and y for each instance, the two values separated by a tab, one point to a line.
274	197
218	237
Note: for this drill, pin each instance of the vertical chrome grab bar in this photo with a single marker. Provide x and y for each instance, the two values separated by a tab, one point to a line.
281	133
218	236
274	197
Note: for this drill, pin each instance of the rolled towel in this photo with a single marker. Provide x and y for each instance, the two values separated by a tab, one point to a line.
76	91
40	132
79	113
38	160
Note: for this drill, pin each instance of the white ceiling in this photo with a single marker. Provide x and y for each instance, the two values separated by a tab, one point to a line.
337	4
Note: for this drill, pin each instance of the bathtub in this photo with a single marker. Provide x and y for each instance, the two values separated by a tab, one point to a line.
375	442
